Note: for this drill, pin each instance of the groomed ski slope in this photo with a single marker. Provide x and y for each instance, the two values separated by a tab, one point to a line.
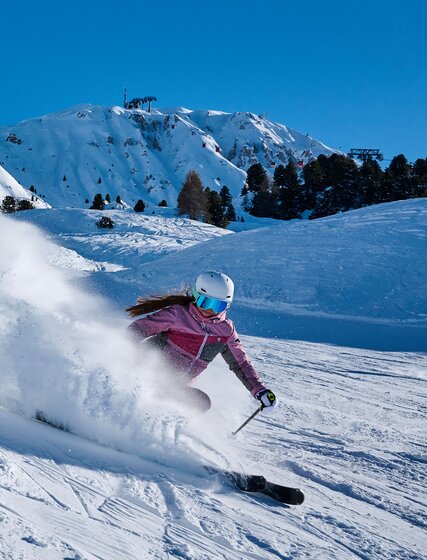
129	483
349	430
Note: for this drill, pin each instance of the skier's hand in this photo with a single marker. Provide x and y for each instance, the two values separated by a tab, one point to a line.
267	399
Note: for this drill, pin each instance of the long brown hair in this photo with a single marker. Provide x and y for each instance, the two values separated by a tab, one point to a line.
154	303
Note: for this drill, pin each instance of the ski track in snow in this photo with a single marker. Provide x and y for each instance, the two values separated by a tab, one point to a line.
64	497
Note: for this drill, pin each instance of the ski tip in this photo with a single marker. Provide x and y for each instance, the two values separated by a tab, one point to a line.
299	497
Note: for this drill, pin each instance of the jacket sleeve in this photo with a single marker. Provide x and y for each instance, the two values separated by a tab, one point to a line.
156	323
238	361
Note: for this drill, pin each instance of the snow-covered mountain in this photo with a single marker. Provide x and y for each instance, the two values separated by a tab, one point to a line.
71	155
9	186
129	481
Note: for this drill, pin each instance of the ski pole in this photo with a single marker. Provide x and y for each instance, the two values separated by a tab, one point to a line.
257	411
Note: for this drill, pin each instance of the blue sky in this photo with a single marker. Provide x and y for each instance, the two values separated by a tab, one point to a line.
351	74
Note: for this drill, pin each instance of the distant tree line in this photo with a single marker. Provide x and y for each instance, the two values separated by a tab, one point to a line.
10	205
99	202
328	185
203	204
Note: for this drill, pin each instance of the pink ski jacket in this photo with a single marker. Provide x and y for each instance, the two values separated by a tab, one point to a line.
192	341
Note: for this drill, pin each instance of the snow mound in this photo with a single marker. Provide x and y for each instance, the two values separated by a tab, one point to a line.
356	278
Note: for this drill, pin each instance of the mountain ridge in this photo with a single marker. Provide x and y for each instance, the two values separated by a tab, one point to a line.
71	155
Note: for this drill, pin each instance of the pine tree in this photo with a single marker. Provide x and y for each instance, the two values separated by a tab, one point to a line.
215	214
344	178
227	203
288	192
396	182
342	191
369	182
263	201
139	206
230	213
25	204
256	178
385	192
314	183
279	176
326	204
399	166
402	184
118	199
226	198
8	205
419	177
105	223
326	164
107	198
192	199
98	202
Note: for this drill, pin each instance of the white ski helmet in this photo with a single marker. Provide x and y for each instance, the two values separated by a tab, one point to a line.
213	284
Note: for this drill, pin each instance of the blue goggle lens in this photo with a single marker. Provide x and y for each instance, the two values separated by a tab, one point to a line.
205	302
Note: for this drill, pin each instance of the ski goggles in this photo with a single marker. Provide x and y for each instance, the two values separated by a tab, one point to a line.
210	303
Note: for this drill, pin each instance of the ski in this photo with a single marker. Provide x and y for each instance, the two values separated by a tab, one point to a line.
258	484
251	483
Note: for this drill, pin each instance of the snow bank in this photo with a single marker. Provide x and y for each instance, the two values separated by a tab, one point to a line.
65	353
354	279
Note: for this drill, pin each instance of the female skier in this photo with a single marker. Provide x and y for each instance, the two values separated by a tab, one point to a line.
191	329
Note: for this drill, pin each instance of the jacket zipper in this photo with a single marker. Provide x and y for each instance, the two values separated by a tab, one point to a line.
199	353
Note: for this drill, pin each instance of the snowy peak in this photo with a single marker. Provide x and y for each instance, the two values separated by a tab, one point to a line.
71	155
246	138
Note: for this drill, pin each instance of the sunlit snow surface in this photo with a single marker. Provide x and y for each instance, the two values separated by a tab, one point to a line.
349	428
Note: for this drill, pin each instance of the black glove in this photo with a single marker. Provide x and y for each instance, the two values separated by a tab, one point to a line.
267	398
